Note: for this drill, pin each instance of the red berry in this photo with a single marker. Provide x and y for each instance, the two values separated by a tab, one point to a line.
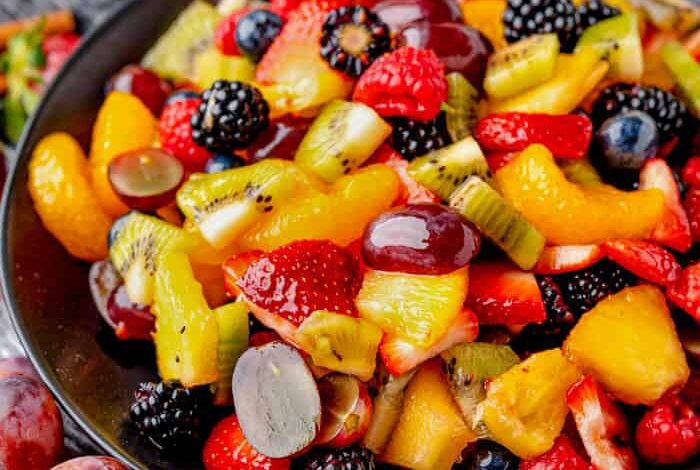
644	259
567	258
176	133
235	267
411	191
408	83
284	7
685	292
562	456
669	433
498	160
225	33
691	204
691	172
57	48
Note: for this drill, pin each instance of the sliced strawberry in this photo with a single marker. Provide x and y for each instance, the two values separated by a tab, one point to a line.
498	160
235	267
691	204
567	258
691	172
412	192
603	428
227	449
400	356
500	293
685	292
674	229
288	284
644	259
565	136
562	456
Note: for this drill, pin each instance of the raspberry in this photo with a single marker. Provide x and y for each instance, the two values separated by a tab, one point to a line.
669	433
691	204
691	172
407	83
562	456
176	133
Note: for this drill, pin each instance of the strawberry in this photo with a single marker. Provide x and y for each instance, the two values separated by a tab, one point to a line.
285	286
225	33
644	259
400	356
498	160
691	172
235	267
176	133
674	229
567	258
411	191
565	136
685	292
227	449
502	294
691	204
407	82
603	428
562	456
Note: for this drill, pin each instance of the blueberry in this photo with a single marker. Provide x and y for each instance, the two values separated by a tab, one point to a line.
256	31
116	228
220	162
181	95
627	140
489	455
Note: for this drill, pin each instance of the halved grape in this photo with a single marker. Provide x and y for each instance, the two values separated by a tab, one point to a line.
347	410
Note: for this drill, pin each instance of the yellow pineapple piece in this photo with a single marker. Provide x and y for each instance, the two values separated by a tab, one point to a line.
628	342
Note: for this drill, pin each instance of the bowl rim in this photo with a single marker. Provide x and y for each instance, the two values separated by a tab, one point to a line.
21	155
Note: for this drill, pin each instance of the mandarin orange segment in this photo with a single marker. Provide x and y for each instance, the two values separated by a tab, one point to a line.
568	214
340	215
123	124
64	200
485	15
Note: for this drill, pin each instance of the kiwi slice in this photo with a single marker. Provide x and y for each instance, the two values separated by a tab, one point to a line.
521	65
443	170
173	56
223	205
467	367
580	171
686	72
232	322
135	251
480	204
341	138
617	39
461	107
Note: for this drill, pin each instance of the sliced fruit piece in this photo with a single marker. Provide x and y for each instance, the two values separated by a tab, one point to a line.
685	292
485	15
347	410
340	216
618	40
521	65
411	191
686	71
563	455
186	336
504	295
645	260
274	382
60	189
223	205
444	170
400	355
202	253
211	65
212	280
173	55
525	407
430	434
343	137
232	323
462	106
468	368
603	428
580	171
481	205
567	258
674	228
136	251
340	343
635	331
235	267
417	308
568	214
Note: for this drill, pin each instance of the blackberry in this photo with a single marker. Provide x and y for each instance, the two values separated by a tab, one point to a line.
353	37
345	458
670	114
255	32
523	18
592	12
230	117
582	290
169	414
415	138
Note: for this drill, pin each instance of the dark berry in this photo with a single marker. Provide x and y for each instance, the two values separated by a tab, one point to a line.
230	117
582	290
170	415
593	12
416	138
256	31
489	455
220	162
671	115
346	458
524	18
352	38
181	95
627	140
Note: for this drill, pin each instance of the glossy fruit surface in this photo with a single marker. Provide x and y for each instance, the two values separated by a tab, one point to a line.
347	410
420	239
17	367
91	463
627	140
219	162
489	455
146	179
398	13
131	321
142	83
280	140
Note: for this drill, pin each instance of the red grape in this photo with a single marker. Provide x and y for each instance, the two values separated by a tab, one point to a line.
347	410
280	140
130	320
142	83
398	13
91	463
420	239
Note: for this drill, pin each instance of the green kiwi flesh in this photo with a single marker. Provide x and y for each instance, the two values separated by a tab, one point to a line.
686	72
461	107
341	138
232	322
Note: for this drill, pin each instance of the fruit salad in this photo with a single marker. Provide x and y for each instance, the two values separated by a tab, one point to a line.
415	234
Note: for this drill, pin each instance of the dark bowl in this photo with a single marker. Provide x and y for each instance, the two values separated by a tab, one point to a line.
46	290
